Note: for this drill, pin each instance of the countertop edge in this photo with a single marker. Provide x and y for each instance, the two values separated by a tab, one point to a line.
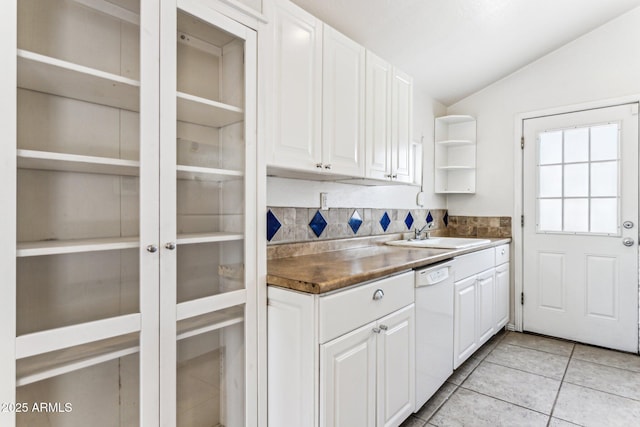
322	287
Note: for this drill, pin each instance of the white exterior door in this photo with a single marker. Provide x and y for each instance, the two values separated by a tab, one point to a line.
580	268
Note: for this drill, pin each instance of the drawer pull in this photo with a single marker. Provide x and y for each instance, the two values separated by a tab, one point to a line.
378	294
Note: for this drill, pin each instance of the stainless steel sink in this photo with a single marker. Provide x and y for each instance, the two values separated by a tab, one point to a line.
441	242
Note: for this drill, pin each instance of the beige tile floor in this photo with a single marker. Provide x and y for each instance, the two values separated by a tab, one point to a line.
527	380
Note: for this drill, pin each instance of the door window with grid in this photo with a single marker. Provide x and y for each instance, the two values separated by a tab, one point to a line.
578	180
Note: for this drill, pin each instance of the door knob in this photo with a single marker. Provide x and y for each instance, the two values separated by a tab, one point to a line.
627	241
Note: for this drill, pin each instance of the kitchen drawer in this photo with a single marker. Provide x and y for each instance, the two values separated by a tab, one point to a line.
474	263
502	254
347	310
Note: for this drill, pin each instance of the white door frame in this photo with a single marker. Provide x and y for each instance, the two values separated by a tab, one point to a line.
518	183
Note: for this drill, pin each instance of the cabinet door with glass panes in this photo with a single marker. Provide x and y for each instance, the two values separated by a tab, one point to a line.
130	191
208	167
84	289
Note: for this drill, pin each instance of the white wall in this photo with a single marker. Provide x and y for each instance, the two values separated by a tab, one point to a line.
602	64
301	193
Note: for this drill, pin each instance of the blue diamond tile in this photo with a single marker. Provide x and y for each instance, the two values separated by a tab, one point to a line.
355	221
273	225
445	219
385	221
429	217
318	224
408	221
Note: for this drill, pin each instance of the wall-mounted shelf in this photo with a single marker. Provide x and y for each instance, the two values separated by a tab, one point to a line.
455	154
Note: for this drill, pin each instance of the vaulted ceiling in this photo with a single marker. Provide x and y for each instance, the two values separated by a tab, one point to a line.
454	48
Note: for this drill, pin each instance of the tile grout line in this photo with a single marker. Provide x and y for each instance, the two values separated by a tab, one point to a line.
555	401
506	401
602	391
608	366
523	371
457	386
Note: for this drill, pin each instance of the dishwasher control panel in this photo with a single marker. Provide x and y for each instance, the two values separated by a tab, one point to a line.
431	276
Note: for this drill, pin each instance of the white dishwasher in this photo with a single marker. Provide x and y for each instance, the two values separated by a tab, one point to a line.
434	328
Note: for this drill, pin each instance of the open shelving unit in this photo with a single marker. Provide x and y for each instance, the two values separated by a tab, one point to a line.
455	154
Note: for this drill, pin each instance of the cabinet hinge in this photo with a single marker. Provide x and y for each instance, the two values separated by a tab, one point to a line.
522	298
521	220
522	142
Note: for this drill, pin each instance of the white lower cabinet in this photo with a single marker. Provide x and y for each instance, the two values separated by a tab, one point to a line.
464	320
481	299
502	295
485	282
344	359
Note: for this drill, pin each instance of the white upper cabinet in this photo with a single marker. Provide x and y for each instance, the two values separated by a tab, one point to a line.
343	93
401	125
378	117
296	100
335	110
389	97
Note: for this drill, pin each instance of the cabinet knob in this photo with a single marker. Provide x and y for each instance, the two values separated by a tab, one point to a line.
502	252
378	294
388	176
152	249
376	330
319	165
170	245
394	176
383	327
327	166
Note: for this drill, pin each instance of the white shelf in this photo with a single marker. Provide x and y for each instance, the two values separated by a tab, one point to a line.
112	10
54	363
44	160
455	119
56	247
60	362
455	168
455	154
455	192
50	75
37	343
206	112
210	322
210	304
207	174
455	142
192	238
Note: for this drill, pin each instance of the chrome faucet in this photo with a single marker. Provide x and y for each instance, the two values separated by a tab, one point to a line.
418	231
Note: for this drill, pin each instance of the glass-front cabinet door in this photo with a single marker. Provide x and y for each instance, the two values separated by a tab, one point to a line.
86	322
208	216
129	178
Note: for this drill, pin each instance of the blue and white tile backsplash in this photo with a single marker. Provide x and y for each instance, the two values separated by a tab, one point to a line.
288	225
